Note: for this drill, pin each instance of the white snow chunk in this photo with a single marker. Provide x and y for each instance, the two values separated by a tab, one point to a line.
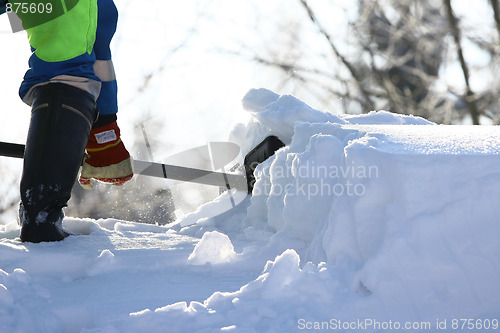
257	99
214	248
10	231
104	262
281	114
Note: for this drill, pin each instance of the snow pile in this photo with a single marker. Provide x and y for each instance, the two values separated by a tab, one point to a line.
401	218
376	222
267	304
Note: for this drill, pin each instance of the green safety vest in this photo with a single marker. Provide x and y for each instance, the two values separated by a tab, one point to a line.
58	30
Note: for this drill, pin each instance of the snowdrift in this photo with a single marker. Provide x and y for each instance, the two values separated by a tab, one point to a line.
375	222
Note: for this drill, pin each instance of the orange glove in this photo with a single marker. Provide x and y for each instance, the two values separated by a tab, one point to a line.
107	160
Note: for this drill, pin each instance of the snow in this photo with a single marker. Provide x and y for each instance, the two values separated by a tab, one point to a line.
374	222
213	248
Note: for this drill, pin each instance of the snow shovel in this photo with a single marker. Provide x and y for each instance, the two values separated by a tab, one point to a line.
245	182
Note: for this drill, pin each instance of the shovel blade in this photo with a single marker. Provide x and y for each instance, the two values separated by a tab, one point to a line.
259	154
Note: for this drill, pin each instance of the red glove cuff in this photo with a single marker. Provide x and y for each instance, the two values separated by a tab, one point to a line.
105	146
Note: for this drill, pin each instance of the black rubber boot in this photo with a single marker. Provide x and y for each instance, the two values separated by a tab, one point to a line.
61	120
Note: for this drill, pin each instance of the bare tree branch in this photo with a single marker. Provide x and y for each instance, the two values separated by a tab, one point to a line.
368	104
457	36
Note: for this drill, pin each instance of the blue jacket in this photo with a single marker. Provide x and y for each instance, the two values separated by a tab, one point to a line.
82	66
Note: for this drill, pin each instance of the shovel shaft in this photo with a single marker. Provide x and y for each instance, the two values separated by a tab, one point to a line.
191	175
160	170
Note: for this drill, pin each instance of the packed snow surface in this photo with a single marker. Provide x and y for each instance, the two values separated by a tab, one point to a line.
376	222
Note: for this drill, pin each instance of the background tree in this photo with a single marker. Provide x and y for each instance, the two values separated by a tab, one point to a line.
397	55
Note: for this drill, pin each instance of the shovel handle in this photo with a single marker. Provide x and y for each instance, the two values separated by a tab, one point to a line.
11	150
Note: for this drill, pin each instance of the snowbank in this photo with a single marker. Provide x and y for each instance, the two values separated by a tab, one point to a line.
402	217
376	222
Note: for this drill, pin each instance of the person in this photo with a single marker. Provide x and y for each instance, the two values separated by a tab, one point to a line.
72	90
